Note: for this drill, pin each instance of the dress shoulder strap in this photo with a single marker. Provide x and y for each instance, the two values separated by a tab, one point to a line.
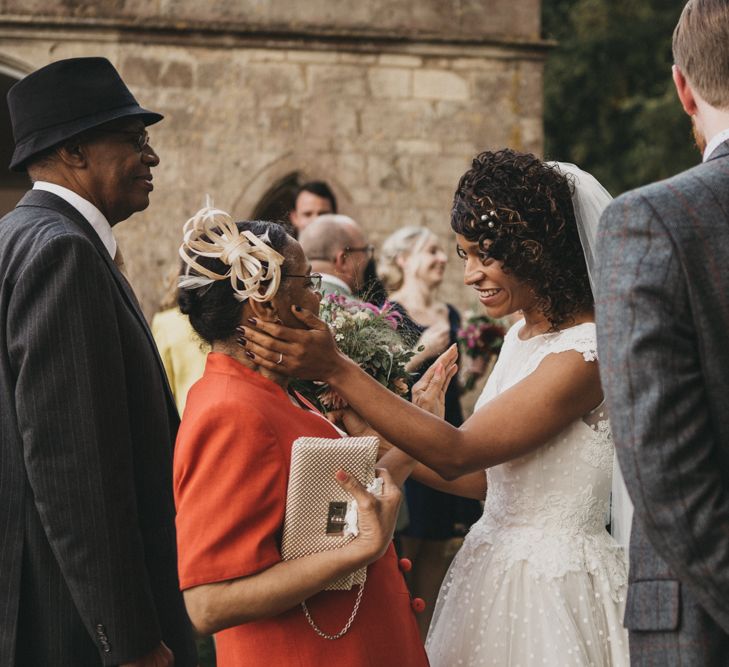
581	338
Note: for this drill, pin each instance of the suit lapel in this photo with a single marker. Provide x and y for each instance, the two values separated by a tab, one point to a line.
43	199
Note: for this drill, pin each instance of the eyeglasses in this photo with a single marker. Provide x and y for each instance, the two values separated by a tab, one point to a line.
139	139
314	278
368	249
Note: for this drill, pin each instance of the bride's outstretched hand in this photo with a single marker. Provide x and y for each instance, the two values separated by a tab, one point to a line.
429	392
309	353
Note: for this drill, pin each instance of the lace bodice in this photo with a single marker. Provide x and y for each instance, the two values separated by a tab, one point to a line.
550	507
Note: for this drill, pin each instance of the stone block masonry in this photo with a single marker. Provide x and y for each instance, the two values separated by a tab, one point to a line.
389	108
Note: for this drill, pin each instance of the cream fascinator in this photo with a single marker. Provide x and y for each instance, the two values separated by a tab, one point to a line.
253	263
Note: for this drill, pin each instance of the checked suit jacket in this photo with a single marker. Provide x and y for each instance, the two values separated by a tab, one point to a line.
88	562
663	336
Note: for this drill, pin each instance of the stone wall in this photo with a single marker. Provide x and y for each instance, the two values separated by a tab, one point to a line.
390	121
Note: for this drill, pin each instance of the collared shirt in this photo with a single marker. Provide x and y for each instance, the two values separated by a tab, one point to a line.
332	284
92	214
715	142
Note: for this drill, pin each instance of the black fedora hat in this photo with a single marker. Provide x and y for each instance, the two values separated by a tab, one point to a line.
64	98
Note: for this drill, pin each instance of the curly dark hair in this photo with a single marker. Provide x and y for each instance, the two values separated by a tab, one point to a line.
213	310
534	233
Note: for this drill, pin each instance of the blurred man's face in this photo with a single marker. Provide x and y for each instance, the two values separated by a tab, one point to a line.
356	258
308	206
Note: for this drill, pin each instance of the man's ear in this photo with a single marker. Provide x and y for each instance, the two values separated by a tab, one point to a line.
72	153
340	259
263	310
685	92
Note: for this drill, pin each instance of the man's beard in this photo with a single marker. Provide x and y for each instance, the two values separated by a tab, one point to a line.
699	138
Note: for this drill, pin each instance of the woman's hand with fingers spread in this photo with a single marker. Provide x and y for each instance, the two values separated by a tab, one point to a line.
309	353
429	392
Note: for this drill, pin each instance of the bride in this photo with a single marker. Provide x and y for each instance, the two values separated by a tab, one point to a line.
538	581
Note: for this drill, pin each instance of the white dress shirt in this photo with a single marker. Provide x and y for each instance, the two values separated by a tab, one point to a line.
92	214
332	283
715	142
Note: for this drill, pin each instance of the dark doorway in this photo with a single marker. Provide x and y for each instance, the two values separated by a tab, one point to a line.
276	204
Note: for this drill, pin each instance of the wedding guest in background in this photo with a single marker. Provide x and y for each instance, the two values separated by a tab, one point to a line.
87	557
412	268
232	463
663	317
338	249
312	199
182	351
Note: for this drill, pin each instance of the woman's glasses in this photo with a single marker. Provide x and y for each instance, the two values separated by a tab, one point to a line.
314	279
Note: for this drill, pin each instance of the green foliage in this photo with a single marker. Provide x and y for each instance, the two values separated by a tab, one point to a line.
368	335
610	105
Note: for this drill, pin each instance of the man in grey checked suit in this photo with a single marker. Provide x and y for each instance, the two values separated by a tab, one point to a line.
663	335
88	572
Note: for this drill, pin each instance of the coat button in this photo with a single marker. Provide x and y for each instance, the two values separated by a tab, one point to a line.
405	564
418	605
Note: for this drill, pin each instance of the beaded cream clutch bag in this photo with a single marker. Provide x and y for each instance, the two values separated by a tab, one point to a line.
318	510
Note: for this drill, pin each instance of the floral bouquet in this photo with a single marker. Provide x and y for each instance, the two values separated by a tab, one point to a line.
367	335
480	338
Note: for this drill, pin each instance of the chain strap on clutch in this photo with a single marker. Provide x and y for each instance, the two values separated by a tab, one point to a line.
347	625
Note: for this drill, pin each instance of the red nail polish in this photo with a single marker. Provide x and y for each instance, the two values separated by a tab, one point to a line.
252	321
242	341
250	354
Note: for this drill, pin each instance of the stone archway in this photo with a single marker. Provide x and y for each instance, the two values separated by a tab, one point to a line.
12	184
269	194
278	200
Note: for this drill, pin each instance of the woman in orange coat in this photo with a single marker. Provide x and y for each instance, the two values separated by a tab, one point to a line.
231	471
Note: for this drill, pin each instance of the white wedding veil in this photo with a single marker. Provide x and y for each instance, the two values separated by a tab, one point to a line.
589	200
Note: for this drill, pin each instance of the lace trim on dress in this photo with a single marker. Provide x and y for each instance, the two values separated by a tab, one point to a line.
553	549
581	338
598	451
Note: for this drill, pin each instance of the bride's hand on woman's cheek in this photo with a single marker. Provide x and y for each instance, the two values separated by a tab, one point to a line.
309	353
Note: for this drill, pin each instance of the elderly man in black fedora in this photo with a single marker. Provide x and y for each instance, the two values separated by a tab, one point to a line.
87	539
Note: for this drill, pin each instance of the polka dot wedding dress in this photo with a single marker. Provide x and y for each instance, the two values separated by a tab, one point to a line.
539	581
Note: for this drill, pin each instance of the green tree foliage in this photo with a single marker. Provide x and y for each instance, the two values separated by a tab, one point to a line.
610	104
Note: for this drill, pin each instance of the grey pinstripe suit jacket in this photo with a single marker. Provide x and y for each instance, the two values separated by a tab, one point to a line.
88	572
663	335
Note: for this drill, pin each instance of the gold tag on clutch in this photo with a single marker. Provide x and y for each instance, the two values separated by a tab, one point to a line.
335	518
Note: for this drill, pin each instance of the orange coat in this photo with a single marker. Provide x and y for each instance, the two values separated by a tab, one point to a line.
231	471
